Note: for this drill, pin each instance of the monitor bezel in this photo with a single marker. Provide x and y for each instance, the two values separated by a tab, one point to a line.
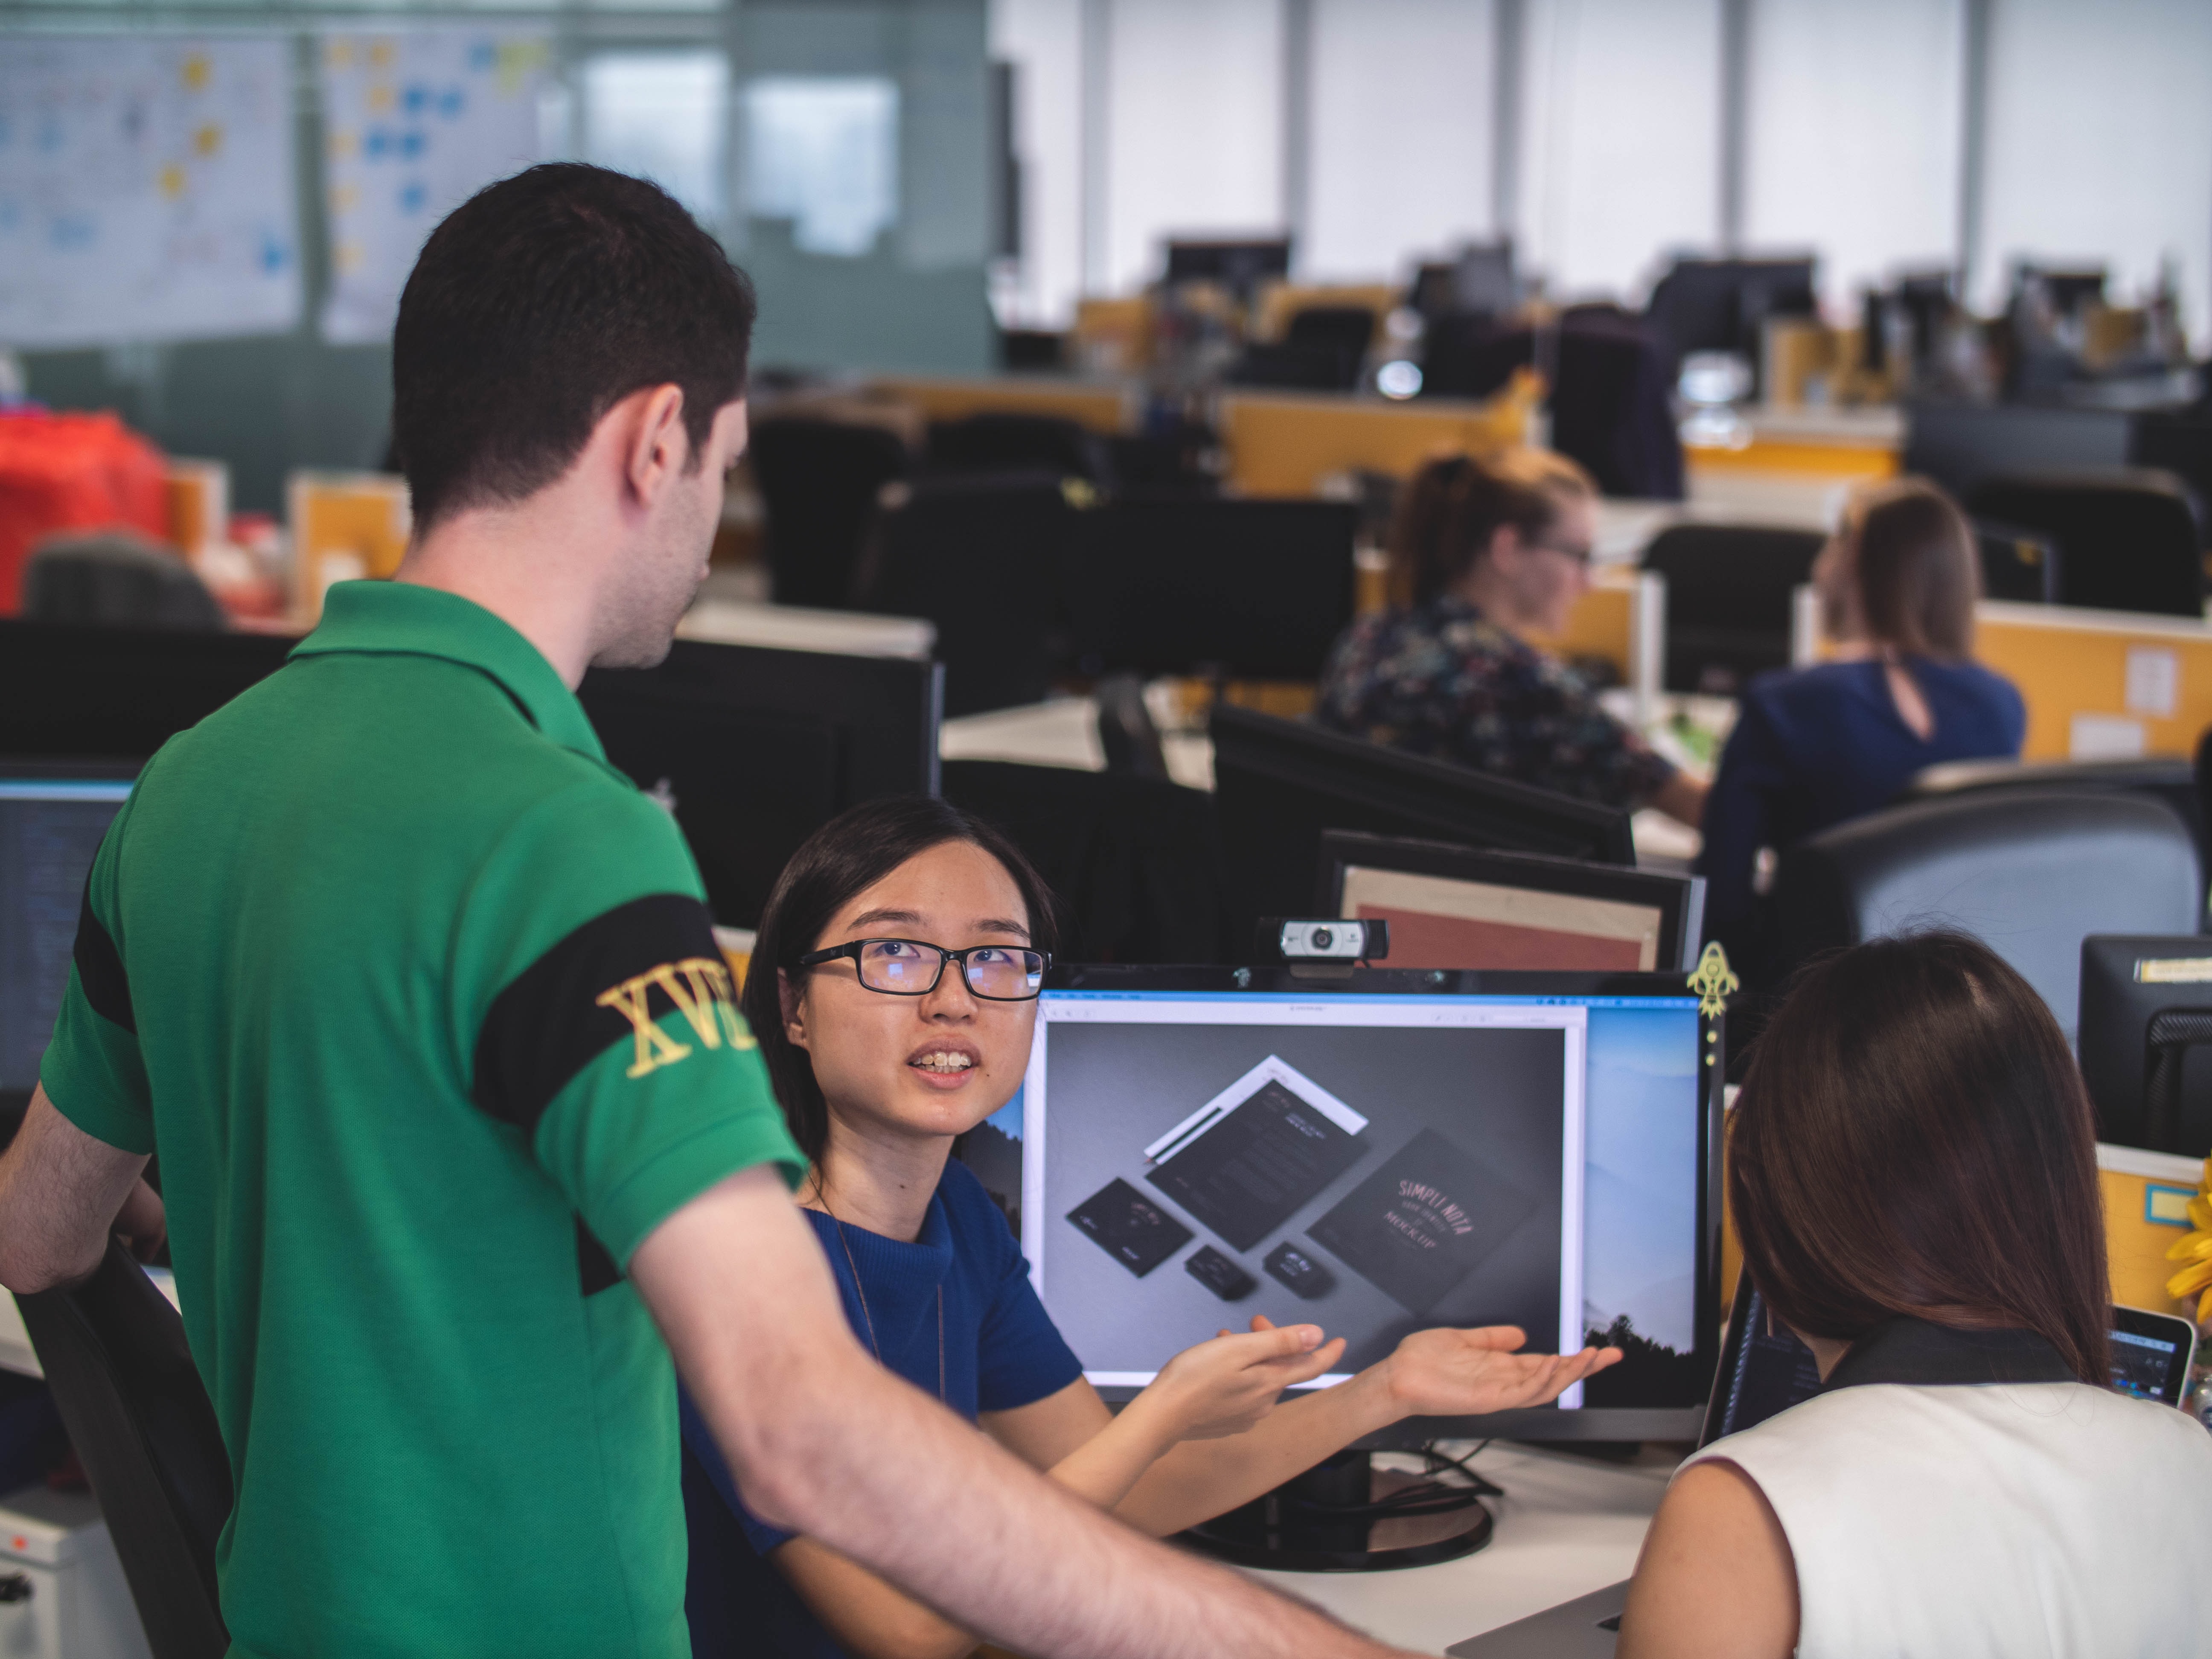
1586	1424
1680	900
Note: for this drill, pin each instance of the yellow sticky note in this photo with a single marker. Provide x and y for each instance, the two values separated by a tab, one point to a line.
379	54
208	140
173	180
380	99
195	72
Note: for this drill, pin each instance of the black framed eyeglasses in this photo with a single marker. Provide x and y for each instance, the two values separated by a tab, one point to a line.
911	968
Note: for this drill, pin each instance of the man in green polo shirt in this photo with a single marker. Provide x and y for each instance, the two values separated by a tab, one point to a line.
460	1133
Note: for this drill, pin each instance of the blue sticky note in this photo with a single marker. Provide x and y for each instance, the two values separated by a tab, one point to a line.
411	145
413	197
451	102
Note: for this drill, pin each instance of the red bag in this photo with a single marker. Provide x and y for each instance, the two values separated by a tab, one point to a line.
70	472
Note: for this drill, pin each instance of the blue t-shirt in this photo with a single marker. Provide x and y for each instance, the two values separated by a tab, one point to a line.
1000	1351
1815	746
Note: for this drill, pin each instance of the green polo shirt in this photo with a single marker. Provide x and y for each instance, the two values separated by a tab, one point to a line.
418	1000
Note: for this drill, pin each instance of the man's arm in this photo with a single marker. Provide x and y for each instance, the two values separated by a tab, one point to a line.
62	1193
823	1441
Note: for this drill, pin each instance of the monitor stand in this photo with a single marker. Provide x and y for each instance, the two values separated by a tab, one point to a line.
1346	1515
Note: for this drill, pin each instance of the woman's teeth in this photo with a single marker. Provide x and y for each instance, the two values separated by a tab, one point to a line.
943	1062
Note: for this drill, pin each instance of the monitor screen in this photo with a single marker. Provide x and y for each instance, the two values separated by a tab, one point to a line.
50	828
1373	1157
1437	921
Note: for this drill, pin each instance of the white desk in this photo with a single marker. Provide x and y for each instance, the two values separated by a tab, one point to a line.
795	628
1566	1526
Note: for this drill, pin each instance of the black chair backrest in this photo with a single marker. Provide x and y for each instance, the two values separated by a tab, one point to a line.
1347	328
1249	589
979	557
116	579
1298	366
2127	537
818	482
138	1414
994	442
2017	563
1729	600
2030	872
1136	860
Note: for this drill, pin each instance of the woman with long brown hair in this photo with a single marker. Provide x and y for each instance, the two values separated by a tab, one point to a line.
1814	746
1485	553
1912	1172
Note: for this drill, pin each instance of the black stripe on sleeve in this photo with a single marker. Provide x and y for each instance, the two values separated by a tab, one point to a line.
100	968
608	982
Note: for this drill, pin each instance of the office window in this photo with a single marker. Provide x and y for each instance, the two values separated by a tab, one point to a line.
1402	109
2100	145
1043	38
822	151
1852	138
1620	157
1193	127
663	116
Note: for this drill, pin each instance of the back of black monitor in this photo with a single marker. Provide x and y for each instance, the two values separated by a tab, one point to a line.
1236	262
2146	1040
754	750
1279	784
1250	589
73	690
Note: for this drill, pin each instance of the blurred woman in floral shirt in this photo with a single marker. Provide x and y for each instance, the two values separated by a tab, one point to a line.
1482	554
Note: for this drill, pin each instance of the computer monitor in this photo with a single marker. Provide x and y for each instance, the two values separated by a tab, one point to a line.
2146	1024
1279	784
68	690
1462	907
1237	263
1248	589
1722	305
754	750
1378	1154
52	815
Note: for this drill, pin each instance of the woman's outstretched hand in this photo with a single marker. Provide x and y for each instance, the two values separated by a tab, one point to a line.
1225	1386
1453	1373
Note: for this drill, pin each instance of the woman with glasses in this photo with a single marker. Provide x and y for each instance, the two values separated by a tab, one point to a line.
1483	554
893	992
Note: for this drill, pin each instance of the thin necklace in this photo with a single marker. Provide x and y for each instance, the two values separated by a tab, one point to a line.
860	1291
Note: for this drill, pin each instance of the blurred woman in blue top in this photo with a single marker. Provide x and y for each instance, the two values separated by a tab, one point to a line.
1814	746
892	992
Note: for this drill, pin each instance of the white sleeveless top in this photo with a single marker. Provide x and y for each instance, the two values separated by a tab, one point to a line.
2012	1520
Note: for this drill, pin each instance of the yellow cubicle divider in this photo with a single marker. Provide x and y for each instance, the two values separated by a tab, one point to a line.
2101	683
1287	443
2146	1208
343	525
1106	406
1830	460
1602	623
1278	302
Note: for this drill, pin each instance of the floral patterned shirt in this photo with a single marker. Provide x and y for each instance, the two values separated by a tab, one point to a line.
1441	679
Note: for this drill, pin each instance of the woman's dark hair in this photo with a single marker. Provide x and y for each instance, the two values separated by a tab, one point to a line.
1913	1136
845	857
1456	503
537	305
1916	568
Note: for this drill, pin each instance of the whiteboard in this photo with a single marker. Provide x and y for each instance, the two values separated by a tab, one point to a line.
414	125
145	189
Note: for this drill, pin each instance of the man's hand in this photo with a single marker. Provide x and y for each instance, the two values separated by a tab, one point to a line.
1449	1373
1224	1387
142	1223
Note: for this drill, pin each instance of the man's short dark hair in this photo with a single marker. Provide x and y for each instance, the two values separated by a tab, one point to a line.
541	302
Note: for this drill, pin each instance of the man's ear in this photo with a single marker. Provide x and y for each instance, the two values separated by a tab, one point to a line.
658	446
788	1003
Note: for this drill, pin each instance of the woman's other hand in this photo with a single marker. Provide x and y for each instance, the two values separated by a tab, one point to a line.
1224	1387
1454	1373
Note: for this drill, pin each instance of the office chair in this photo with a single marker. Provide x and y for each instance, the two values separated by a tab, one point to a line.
979	557
1610	389
1323	350
1127	733
1136	861
118	579
1729	591
1243	589
2127	537
2030	872
2018	563
138	1413
818	482
994	442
